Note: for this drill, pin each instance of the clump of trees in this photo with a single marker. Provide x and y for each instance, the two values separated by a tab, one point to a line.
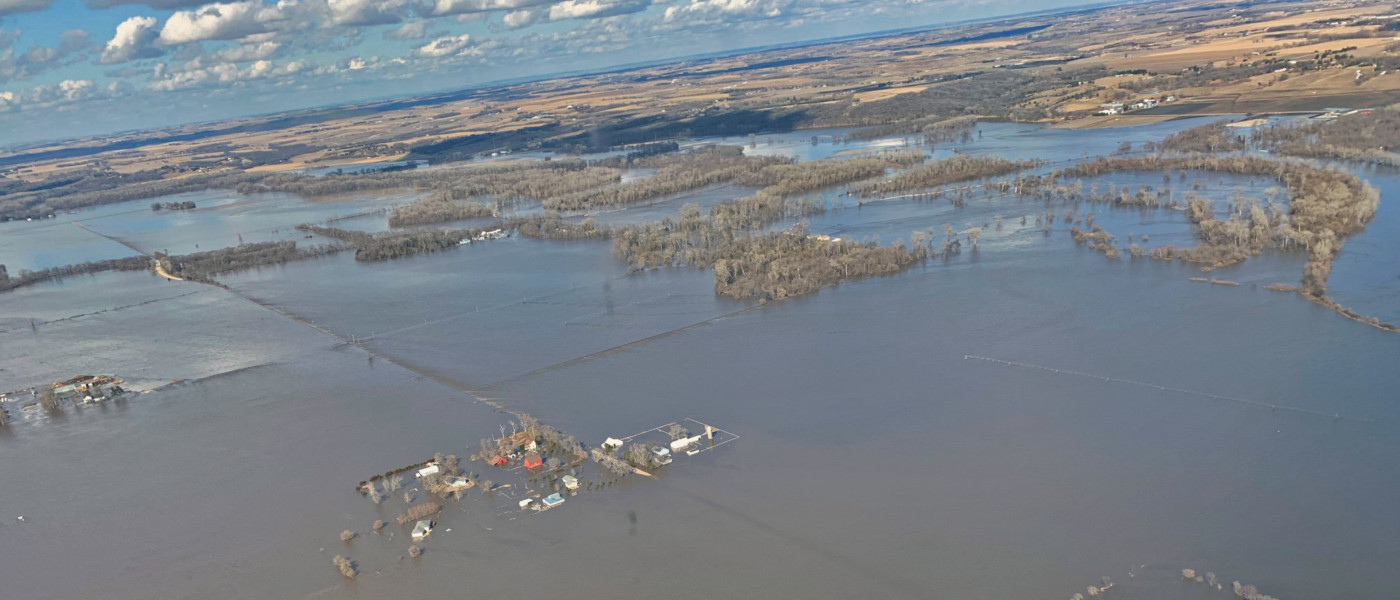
1249	592
186	205
676	173
97	187
414	551
792	263
798	178
203	266
1369	137
26	277
346	566
371	247
1325	207
418	511
953	170
347	535
439	208
677	432
551	226
611	463
1097	239
508	181
1208	138
783	264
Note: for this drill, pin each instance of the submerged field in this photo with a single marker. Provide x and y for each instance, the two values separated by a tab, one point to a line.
1239	430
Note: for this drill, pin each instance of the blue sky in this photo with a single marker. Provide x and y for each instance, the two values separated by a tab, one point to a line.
80	67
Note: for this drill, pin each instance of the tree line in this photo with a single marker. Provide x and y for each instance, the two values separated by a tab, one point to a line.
25	277
371	247
204	266
1208	138
1325	207
438	208
959	168
676	173
1368	137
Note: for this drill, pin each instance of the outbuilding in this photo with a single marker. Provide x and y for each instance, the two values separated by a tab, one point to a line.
533	461
422	529
553	500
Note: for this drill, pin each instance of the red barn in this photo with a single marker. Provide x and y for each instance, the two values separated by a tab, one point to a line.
497	461
533	461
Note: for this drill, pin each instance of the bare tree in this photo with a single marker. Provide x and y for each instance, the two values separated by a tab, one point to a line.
677	432
346	566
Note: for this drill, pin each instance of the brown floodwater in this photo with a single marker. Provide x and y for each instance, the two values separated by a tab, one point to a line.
1225	429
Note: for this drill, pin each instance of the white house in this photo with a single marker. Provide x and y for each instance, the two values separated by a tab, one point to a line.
422	529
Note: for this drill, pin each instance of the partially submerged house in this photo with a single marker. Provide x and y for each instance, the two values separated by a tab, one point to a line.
684	443
533	461
570	482
552	500
422	529
87	388
459	483
431	469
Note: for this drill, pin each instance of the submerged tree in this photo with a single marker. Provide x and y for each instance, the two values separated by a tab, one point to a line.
345	565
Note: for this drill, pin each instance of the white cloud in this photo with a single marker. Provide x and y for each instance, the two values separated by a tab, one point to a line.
445	46
248	52
36	59
67	91
456	7
413	30
163	79
585	9
730	8
364	12
133	40
9	101
523	18
14	7
161	4
224	21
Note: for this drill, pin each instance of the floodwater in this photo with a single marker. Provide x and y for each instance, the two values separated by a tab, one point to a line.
1138	422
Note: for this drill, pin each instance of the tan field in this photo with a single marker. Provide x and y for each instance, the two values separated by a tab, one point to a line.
1160	39
872	96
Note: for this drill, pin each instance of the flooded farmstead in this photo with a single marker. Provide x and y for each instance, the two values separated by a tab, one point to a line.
1096	302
